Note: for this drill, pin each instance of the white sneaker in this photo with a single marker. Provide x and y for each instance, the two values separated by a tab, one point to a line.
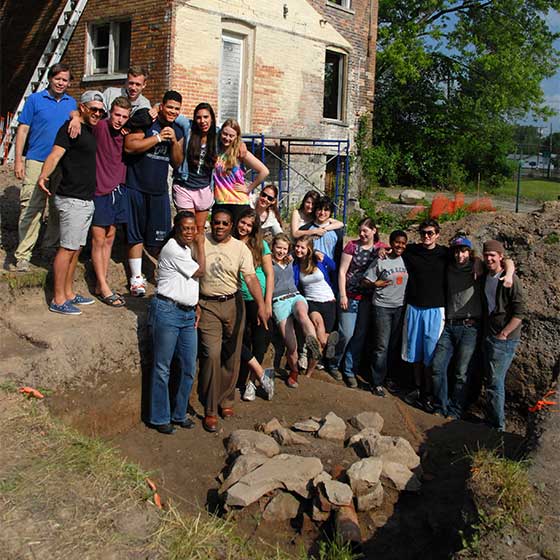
267	383
138	286
302	358
250	392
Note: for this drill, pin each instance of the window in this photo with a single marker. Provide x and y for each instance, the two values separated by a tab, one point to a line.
335	86
231	72
108	48
342	3
235	92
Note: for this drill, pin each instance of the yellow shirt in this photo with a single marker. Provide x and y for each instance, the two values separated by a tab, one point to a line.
224	262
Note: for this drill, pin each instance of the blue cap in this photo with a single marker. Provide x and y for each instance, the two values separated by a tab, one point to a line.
461	242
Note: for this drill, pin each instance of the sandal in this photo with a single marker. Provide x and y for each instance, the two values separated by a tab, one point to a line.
112	300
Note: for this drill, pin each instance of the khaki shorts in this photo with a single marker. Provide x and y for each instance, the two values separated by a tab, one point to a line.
75	219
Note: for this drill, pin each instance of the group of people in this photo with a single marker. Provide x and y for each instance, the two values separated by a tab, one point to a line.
222	296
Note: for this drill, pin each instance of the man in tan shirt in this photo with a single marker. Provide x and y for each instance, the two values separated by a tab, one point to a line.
222	318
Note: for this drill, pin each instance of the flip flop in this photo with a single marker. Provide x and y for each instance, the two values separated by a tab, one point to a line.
112	300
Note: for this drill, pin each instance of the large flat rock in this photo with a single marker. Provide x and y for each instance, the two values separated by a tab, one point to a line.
288	472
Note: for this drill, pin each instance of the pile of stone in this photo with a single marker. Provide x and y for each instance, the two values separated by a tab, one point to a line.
288	485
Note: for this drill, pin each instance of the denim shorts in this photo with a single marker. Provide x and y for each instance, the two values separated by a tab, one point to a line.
283	309
75	217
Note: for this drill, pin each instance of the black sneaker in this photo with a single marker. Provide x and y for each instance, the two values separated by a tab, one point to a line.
187	423
412	398
428	405
166	429
392	387
378	391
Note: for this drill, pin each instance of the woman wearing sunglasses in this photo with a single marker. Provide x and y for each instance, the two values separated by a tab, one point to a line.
266	207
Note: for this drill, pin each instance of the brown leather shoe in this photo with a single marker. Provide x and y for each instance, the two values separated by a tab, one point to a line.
227	412
210	423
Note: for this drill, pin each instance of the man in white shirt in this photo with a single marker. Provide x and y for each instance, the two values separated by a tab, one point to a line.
136	82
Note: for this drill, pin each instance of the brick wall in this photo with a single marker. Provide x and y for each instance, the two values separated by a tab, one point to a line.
22	40
354	25
286	55
151	22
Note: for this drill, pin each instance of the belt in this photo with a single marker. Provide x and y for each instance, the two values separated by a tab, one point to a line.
284	297
464	322
218	298
181	306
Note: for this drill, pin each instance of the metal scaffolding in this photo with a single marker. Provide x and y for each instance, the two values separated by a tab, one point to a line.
333	150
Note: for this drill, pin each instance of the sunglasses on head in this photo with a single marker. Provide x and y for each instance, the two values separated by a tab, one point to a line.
221	222
427	233
268	197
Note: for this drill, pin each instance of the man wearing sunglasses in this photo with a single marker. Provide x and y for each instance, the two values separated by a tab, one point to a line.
426	263
73	199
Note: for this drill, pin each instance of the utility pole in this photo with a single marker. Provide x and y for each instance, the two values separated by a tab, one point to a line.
549	152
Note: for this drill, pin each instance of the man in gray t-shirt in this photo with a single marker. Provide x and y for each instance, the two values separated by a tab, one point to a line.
136	81
389	276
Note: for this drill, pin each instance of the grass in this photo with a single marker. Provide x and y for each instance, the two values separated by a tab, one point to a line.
534	189
64	495
32	279
501	492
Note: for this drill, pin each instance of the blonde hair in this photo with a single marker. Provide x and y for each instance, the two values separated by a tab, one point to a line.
283	237
229	157
308	264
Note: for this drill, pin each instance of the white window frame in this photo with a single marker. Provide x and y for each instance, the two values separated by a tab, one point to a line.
113	48
342	86
345	4
236	39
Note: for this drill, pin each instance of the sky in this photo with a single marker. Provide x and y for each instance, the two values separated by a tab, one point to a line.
551	86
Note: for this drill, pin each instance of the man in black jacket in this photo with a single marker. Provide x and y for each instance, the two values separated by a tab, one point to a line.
504	313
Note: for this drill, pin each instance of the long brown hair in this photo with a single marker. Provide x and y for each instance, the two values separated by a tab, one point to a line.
195	140
308	264
255	239
230	155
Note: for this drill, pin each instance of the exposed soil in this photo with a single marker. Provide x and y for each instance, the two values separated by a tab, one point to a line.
92	367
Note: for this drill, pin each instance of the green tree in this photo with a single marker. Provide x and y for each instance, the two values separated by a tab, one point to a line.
451	78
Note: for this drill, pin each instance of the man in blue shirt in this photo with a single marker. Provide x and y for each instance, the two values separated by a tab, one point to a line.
150	151
43	114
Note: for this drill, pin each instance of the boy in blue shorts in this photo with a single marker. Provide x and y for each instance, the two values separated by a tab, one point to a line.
110	195
150	152
426	263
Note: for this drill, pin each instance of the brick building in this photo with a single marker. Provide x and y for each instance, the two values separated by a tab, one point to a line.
281	67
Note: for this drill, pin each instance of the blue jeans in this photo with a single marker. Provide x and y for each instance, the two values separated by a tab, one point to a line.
387	325
173	334
498	356
459	341
353	327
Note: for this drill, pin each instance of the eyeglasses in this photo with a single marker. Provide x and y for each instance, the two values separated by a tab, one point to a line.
427	233
221	222
96	110
268	197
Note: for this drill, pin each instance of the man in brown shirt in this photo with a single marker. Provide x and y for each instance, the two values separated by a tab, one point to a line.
222	317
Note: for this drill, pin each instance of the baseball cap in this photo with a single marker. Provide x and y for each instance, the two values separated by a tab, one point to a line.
461	242
91	95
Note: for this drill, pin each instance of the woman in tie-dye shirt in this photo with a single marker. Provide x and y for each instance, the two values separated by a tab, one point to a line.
230	189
